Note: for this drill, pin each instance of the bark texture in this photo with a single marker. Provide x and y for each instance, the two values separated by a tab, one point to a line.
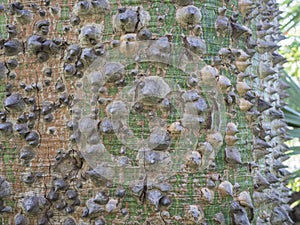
230	170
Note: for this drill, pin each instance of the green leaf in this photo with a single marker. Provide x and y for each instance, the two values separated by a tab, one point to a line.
295	150
294	92
295	203
292	117
295	174
292	111
295	132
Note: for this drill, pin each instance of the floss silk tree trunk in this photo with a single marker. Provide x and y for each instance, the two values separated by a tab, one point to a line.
142	112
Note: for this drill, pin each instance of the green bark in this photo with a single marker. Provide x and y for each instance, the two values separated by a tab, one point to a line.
234	153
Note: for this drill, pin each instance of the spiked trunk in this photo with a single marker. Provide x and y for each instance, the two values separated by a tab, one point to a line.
142	112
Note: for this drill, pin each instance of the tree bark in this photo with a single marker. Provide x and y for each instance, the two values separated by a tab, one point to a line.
142	112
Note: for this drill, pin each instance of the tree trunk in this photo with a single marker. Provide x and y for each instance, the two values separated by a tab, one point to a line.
142	112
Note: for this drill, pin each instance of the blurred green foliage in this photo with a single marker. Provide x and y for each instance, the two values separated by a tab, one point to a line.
291	29
292	53
292	116
291	14
291	50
